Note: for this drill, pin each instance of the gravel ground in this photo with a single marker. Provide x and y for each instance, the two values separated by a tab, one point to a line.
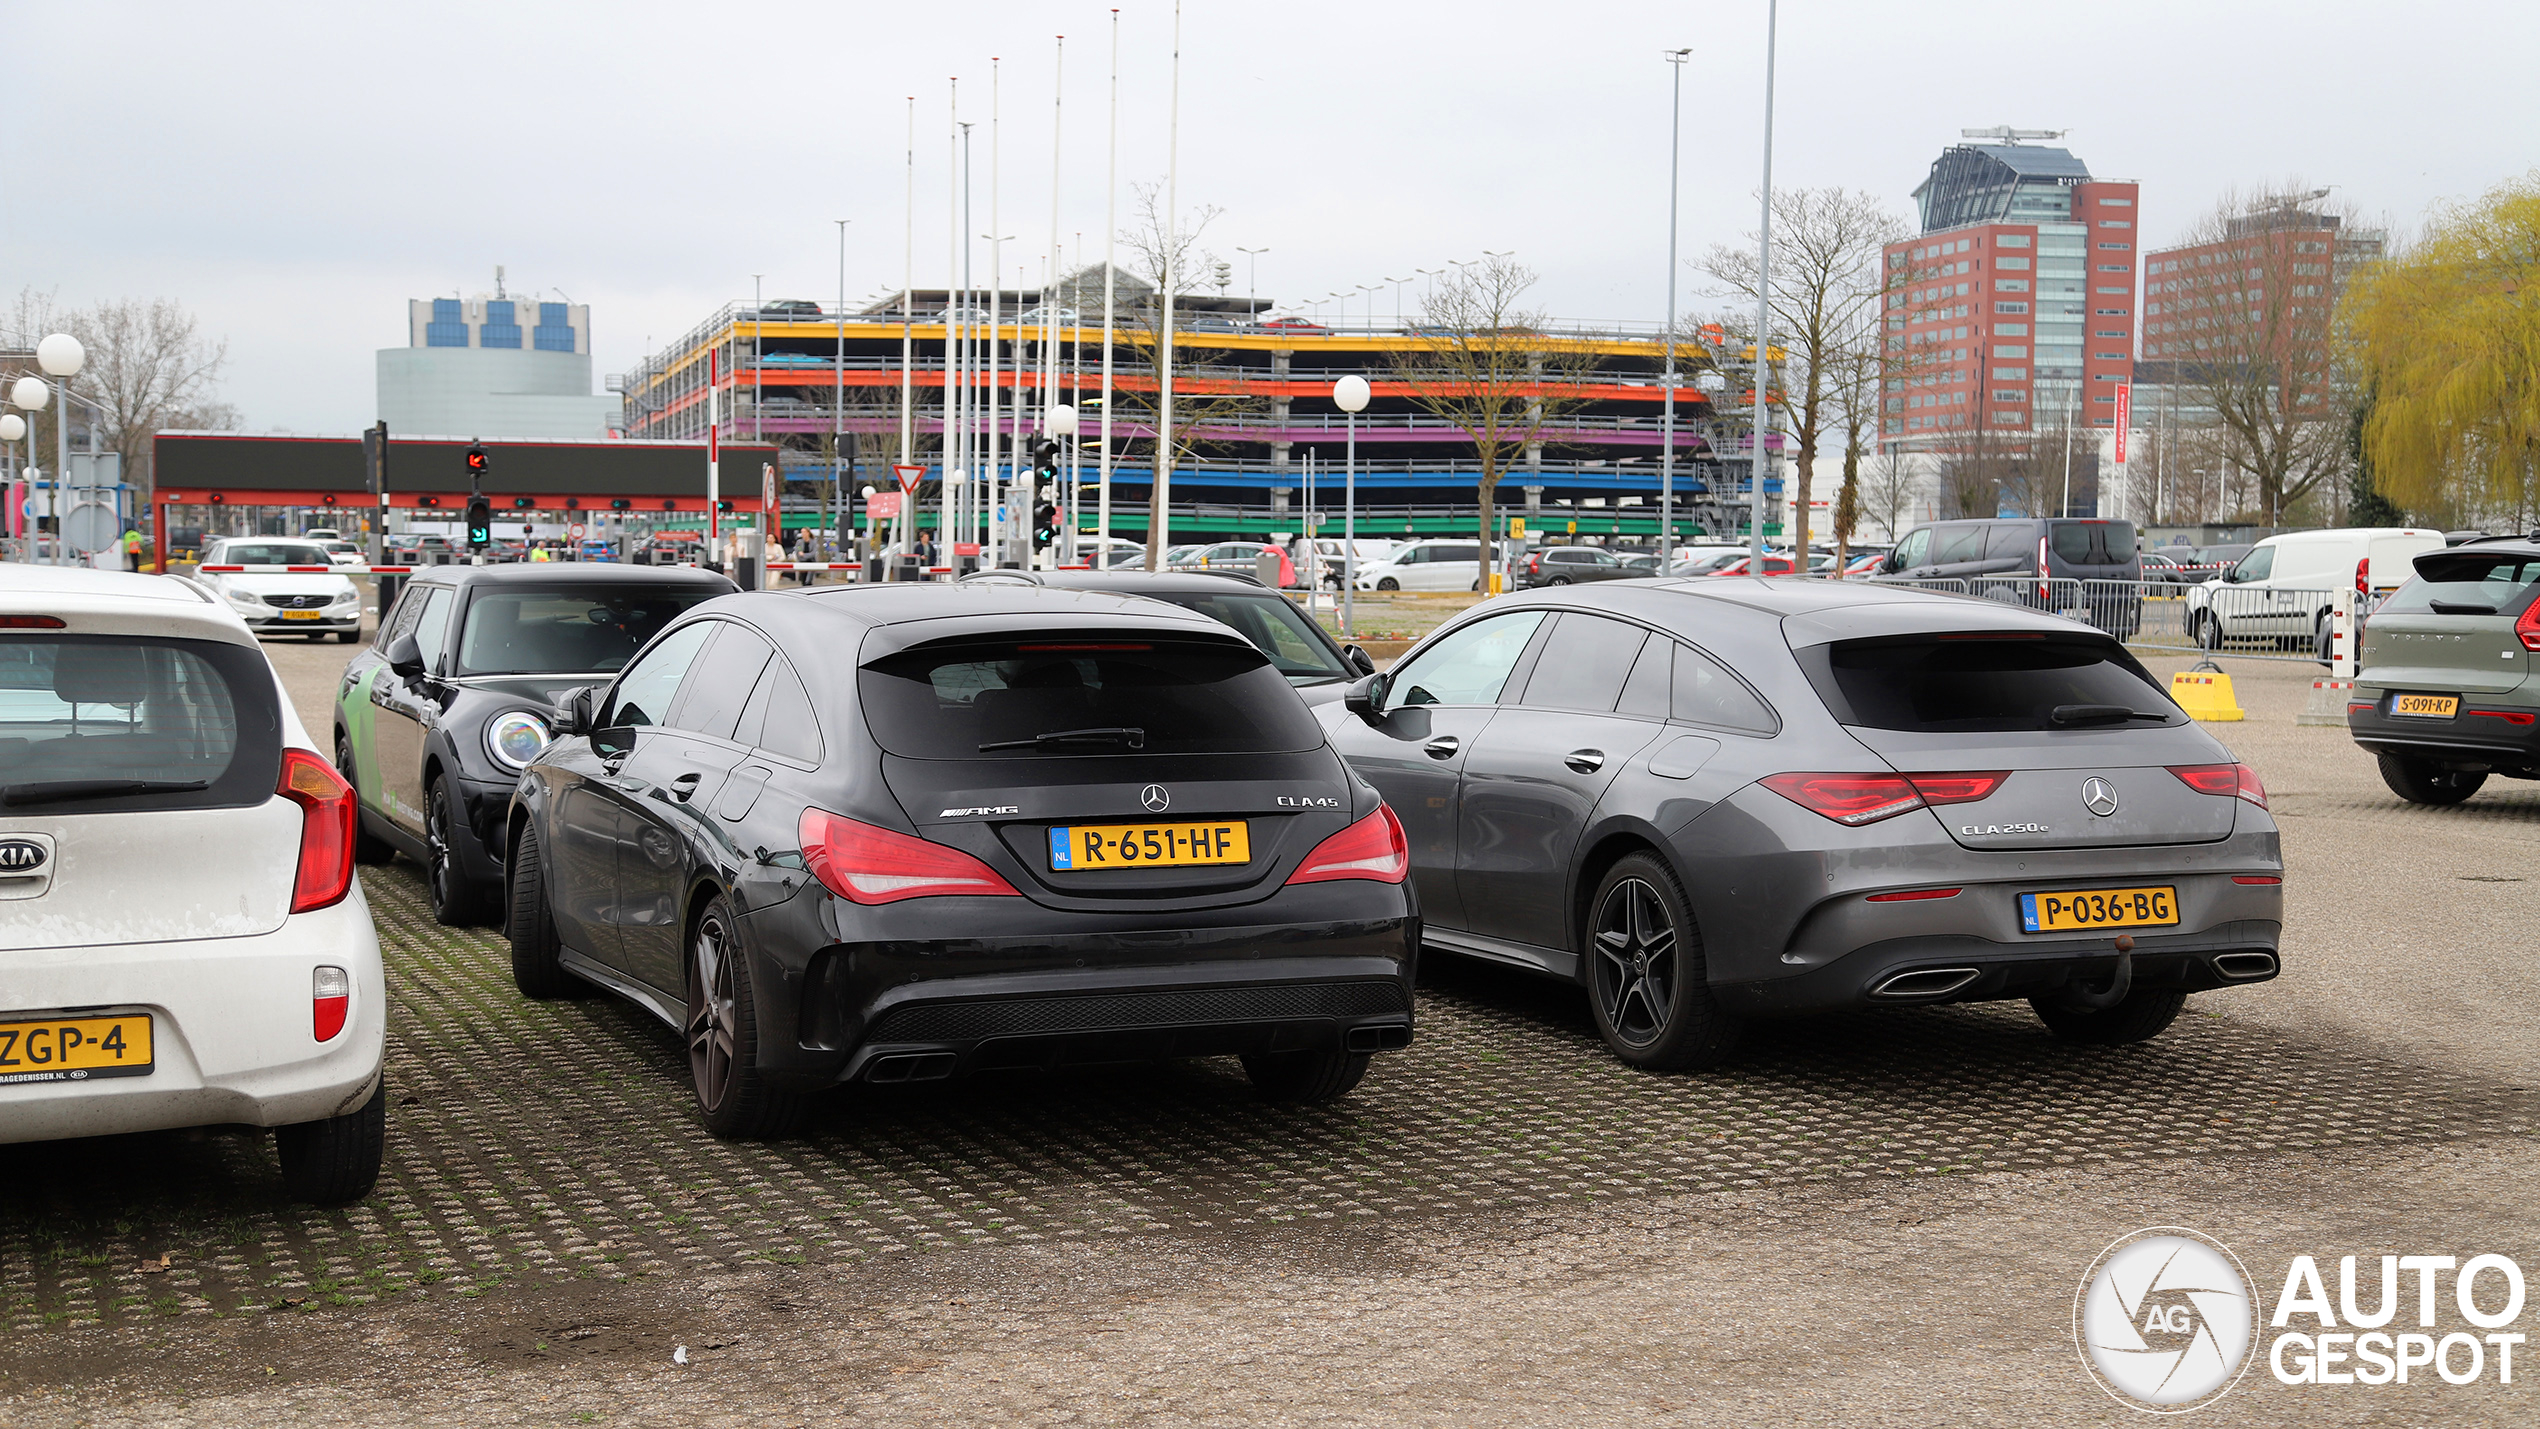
1869	1220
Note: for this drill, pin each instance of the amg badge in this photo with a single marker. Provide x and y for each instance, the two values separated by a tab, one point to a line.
969	813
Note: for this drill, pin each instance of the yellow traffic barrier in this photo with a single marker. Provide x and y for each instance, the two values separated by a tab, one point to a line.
2205	695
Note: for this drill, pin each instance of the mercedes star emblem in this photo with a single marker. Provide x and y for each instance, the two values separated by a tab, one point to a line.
2099	796
1157	800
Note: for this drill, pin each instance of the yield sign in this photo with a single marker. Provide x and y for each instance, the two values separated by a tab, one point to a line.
908	477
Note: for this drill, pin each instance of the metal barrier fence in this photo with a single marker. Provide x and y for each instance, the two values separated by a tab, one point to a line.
2164	617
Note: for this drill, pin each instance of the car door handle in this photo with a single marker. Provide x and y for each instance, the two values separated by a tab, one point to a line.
1442	747
1585	761
685	785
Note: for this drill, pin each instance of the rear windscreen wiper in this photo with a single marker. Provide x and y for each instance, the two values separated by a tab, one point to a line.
60	791
2101	714
1129	735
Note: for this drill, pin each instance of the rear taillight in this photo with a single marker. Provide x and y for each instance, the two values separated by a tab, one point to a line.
30	622
2363	580
330	1001
865	864
1857	799
326	830
2527	626
2045	577
1534	564
2229	781
1374	848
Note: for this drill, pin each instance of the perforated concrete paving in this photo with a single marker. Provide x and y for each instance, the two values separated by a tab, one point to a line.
534	1142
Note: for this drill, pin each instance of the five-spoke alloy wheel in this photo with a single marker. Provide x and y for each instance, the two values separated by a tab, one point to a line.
1648	983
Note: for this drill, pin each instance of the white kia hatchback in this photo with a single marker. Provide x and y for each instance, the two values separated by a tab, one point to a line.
182	942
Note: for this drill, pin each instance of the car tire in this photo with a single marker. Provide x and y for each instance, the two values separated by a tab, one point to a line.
722	1034
2324	639
347	637
368	847
2143	1015
2205	630
537	968
456	903
1558	580
1477	586
331	1162
1648	982
2421	782
1388	583
1305	1078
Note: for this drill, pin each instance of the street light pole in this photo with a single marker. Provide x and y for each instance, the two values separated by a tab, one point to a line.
1110	226
1160	492
1350	394
1252	285
1764	312
1667	411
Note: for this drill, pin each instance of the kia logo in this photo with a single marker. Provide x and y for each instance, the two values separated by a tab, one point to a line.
1155	798
2099	796
21	856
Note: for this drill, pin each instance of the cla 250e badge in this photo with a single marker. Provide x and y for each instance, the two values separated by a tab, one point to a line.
1973	832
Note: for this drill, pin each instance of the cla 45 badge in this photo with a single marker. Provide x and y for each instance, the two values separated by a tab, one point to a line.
1307	801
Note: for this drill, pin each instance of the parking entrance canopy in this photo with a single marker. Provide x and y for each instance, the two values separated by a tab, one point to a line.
229	468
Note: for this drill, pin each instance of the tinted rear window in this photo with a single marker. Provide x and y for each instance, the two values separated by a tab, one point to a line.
1974	685
2500	583
1184	697
87	721
577	630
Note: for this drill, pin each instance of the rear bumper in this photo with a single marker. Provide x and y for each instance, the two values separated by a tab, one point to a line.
916	1008
231	1028
1963	968
2466	741
276	625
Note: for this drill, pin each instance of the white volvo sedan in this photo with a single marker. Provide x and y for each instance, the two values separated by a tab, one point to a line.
288	588
182	942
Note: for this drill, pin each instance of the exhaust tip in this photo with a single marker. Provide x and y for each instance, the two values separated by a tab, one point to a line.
1388	1037
1926	983
911	1067
2241	967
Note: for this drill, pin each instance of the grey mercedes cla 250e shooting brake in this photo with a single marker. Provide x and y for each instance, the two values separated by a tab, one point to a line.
1711	800
894	833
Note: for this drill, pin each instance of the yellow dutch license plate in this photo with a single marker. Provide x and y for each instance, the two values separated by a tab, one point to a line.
1080	848
73	1049
304	615
2099	908
2425	706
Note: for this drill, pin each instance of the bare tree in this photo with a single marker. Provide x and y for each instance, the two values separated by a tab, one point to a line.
1207	394
148	368
1829	293
1888	486
2246	325
1488	367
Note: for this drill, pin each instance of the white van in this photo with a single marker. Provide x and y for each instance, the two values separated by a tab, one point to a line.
1425	565
2283	590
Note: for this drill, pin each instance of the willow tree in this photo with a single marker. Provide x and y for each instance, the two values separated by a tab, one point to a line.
1486	366
2447	333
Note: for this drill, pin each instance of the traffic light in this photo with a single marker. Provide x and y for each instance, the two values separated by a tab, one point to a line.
476	459
1044	525
480	523
1045	459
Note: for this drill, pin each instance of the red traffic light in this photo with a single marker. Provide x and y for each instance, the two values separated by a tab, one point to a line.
476	460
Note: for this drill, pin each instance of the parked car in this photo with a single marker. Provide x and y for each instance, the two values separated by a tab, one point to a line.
186	944
425	550
1003	827
322	533
1426	565
2445	692
1243	556
1642	563
343	552
1573	565
2045	563
1705	564
435	721
1311	660
1707	801
597	548
788	310
311	601
1776	563
2283	591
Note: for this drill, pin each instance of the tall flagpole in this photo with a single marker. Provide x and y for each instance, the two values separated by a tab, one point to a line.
992	545
1110	227
1667	421
1160	492
908	336
944	498
1065	546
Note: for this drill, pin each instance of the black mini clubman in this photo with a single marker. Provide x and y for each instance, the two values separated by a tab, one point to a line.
895	833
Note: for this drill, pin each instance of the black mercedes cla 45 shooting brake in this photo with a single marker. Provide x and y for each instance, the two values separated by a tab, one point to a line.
895	833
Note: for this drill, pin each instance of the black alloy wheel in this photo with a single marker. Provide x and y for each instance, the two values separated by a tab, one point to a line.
1387	583
367	846
2422	782
722	1036
1648	982
455	901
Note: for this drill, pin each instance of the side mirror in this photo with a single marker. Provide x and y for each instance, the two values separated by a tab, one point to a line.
1366	698
404	657
1889	567
574	715
1359	659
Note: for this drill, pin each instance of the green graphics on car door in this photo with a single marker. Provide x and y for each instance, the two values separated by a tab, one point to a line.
352	706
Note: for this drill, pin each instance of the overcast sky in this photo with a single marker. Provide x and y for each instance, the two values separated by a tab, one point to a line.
295	173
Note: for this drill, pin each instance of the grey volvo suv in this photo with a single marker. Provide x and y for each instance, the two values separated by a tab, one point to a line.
1711	800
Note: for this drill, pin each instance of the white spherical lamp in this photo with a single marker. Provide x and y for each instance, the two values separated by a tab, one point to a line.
60	355
1351	393
868	493
30	393
1062	421
12	427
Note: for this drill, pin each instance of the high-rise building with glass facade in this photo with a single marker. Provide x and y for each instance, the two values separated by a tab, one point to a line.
493	366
